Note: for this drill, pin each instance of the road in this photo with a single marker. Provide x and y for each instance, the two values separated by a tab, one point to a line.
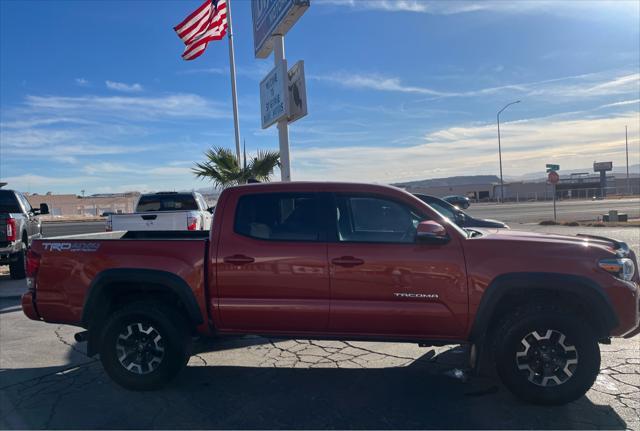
72	228
531	212
512	213
47	381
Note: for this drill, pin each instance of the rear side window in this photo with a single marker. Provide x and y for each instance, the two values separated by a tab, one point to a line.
9	202
168	202
278	216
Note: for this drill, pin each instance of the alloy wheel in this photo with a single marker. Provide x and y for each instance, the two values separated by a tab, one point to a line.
548	359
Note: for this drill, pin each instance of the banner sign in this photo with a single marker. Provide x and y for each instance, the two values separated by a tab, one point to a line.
602	166
297	92
273	17
274	96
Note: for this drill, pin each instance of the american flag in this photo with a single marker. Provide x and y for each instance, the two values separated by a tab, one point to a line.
207	23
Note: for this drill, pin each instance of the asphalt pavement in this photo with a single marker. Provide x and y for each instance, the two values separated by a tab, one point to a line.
52	229
567	210
47	381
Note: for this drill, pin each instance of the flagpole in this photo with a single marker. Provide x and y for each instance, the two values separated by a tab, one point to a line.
234	95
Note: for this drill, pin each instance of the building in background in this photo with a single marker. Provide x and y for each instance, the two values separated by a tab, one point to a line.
482	188
94	205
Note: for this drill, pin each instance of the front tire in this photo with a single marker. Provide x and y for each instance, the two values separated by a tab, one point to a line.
144	345
546	355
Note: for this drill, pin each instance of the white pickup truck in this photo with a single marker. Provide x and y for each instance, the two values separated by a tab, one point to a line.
165	211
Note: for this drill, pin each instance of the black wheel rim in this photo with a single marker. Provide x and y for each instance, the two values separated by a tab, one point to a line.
547	358
140	348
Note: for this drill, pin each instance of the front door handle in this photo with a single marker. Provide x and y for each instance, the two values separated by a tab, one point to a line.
347	261
238	259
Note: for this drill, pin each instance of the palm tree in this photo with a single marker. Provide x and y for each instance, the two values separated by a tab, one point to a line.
221	167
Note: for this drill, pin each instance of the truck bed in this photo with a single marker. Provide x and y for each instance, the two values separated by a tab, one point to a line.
70	265
139	235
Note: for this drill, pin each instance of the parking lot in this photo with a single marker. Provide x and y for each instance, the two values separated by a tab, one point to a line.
47	381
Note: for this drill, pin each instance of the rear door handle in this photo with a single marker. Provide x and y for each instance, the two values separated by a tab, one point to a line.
347	261
238	259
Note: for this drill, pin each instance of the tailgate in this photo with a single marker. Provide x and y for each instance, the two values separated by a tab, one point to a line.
3	230
165	220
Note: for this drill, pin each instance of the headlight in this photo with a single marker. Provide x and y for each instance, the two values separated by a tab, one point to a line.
623	268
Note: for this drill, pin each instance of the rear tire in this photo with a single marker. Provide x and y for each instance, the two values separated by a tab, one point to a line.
18	267
546	355
144	345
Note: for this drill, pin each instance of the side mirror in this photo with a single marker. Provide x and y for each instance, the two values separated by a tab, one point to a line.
44	209
431	232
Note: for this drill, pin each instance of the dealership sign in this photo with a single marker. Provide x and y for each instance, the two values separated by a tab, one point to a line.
297	92
602	166
273	17
274	95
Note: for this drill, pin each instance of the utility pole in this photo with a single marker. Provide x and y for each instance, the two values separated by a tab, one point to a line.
283	124
626	143
500	150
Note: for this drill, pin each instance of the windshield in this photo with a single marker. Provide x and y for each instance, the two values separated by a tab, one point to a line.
445	210
168	202
9	203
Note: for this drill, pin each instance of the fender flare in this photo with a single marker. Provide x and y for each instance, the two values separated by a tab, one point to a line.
587	290
148	279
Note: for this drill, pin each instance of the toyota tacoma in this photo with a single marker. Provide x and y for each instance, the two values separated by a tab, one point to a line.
341	261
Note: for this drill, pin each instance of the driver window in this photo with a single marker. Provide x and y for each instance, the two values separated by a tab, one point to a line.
25	203
374	219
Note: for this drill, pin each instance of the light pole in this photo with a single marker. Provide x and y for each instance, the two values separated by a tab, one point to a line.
626	145
500	150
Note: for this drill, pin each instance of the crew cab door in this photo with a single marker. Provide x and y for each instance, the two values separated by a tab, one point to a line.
272	272
32	222
383	282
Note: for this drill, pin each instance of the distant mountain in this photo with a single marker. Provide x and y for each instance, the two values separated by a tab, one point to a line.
451	181
634	170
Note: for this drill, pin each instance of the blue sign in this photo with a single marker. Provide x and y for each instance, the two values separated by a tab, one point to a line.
273	17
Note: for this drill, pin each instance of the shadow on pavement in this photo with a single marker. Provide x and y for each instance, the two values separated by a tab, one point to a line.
416	396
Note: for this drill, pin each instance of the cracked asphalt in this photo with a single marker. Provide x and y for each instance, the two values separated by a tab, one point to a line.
47	381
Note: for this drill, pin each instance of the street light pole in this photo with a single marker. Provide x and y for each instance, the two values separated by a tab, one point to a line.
500	150
626	143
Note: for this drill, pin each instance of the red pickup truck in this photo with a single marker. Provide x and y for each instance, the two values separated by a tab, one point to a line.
341	261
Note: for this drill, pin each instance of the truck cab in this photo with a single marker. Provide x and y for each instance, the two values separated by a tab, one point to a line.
19	226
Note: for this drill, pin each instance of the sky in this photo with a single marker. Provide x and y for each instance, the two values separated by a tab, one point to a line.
94	95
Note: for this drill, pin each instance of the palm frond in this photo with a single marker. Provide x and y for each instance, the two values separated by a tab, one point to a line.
222	167
262	166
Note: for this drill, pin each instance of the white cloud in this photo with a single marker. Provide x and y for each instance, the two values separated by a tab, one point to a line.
82	82
107	168
452	7
37	122
376	82
622	103
136	107
464	150
569	87
121	86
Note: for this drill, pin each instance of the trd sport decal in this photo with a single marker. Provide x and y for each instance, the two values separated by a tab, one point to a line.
418	295
71	246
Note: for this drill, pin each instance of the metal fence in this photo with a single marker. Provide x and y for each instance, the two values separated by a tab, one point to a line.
566	194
